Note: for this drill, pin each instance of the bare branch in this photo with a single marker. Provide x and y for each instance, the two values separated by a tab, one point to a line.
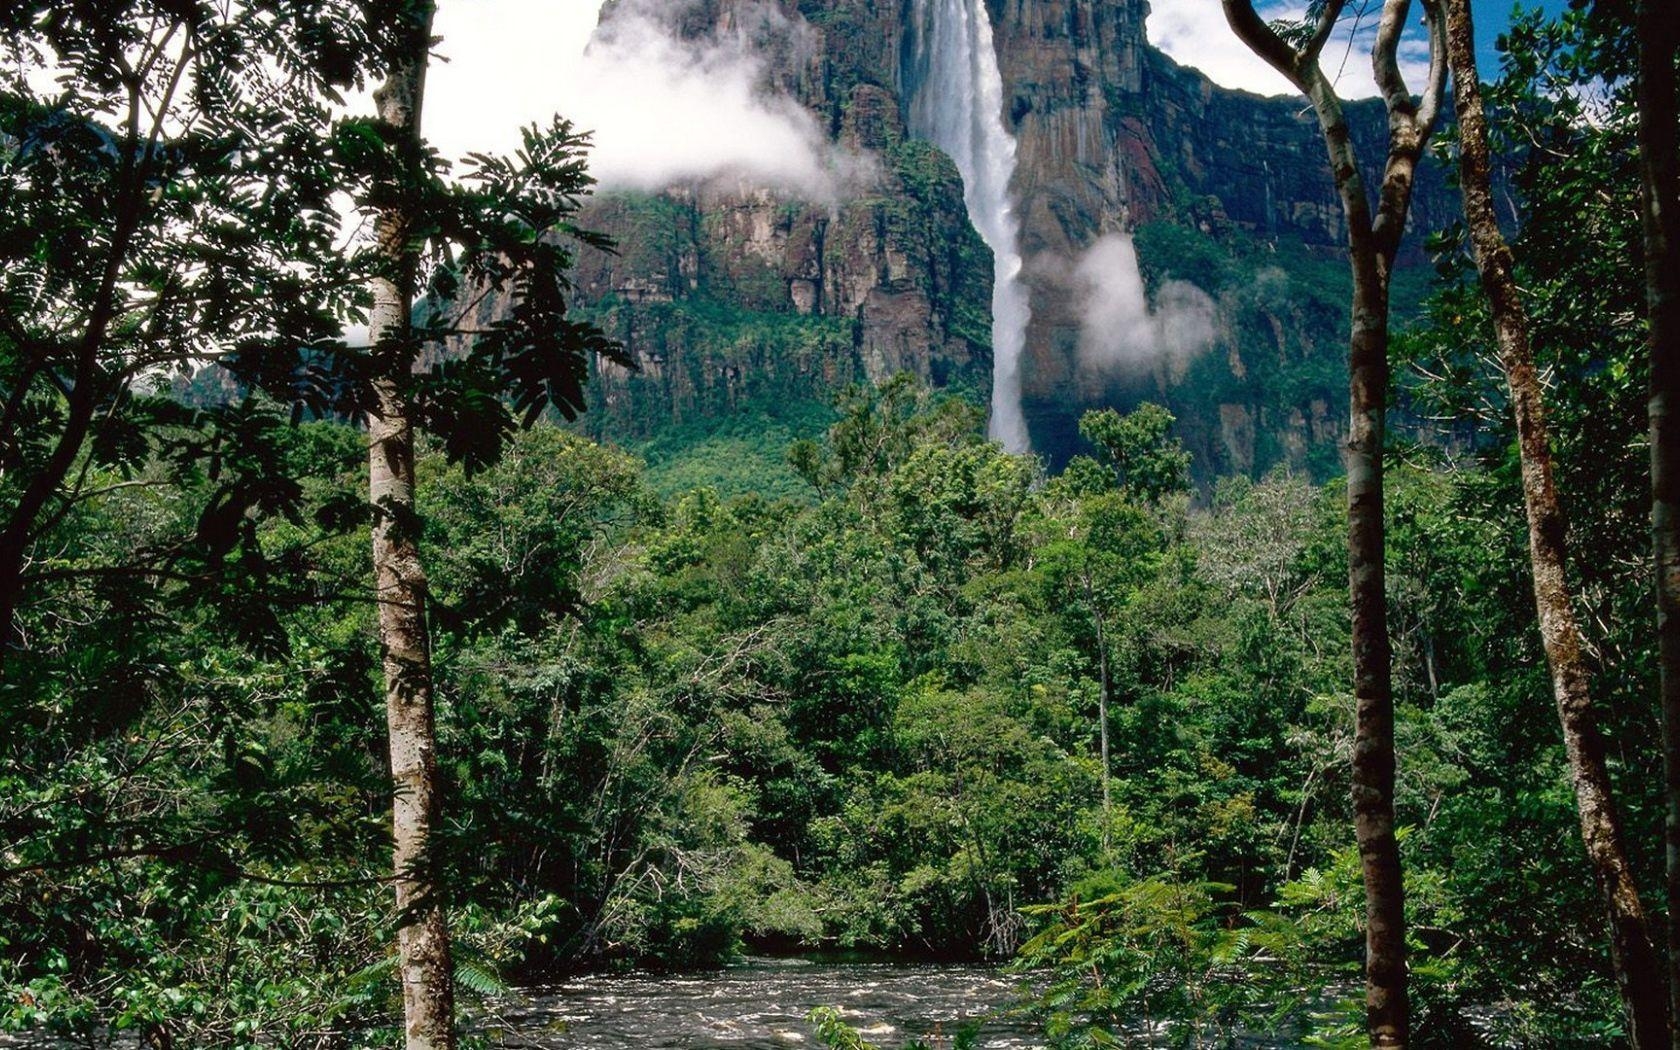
1385	57
1263	40
1327	20
1429	110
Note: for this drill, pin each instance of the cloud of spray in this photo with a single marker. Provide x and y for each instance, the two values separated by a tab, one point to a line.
665	107
666	110
1120	331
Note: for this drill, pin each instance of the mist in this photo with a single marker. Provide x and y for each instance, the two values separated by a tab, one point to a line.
1121	331
662	110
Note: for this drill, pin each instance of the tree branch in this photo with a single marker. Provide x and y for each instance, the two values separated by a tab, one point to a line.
1327	20
1263	40
1385	58
1429	110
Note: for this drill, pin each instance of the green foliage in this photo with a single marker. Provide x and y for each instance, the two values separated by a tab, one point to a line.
716	353
879	427
675	728
835	1033
195	805
167	201
739	455
1156	952
505	226
1145	464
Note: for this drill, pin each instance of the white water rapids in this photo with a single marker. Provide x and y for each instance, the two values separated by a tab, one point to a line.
958	106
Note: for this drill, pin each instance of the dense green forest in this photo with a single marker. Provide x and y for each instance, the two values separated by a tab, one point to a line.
885	688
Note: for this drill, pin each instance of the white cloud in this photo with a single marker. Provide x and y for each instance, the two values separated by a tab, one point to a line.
662	110
1120	331
501	65
1194	33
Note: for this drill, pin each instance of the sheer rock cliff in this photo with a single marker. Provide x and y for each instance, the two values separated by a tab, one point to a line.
731	295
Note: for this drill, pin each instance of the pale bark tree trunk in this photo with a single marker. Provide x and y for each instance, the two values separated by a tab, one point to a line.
1373	240
1638	974
423	955
1658	30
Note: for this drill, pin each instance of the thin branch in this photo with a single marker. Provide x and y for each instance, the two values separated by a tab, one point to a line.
1429	110
155	50
1353	38
1327	20
164	103
1385	57
1263	40
314	884
101	856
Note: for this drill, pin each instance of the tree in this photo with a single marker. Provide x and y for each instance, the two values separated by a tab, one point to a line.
879	427
423	959
167	202
1104	547
1638	972
1135	447
1373	239
505	225
175	206
1658	100
1137	466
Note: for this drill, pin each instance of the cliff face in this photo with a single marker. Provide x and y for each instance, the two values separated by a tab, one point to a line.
733	297
1114	135
1232	189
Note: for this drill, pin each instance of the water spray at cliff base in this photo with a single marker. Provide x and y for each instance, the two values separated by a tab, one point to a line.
958	106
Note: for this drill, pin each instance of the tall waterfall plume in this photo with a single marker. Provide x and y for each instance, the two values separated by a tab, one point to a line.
957	104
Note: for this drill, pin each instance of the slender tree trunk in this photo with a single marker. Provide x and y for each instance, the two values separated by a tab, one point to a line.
19	532
1387	1002
1102	729
1658	28
1387	1006
423	955
1104	689
1373	240
1638	972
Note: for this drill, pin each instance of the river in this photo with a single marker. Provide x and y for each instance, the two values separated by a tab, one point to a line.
762	1005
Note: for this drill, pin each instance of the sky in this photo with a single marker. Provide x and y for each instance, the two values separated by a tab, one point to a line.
1194	33
662	111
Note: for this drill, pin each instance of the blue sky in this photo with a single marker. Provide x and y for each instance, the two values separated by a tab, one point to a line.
1492	18
1194	33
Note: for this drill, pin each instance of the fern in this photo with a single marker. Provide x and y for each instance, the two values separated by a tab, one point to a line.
478	978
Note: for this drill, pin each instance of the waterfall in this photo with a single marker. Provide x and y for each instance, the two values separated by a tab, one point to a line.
957	104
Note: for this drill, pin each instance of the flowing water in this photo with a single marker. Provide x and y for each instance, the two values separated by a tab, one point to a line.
763	1005
957	104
